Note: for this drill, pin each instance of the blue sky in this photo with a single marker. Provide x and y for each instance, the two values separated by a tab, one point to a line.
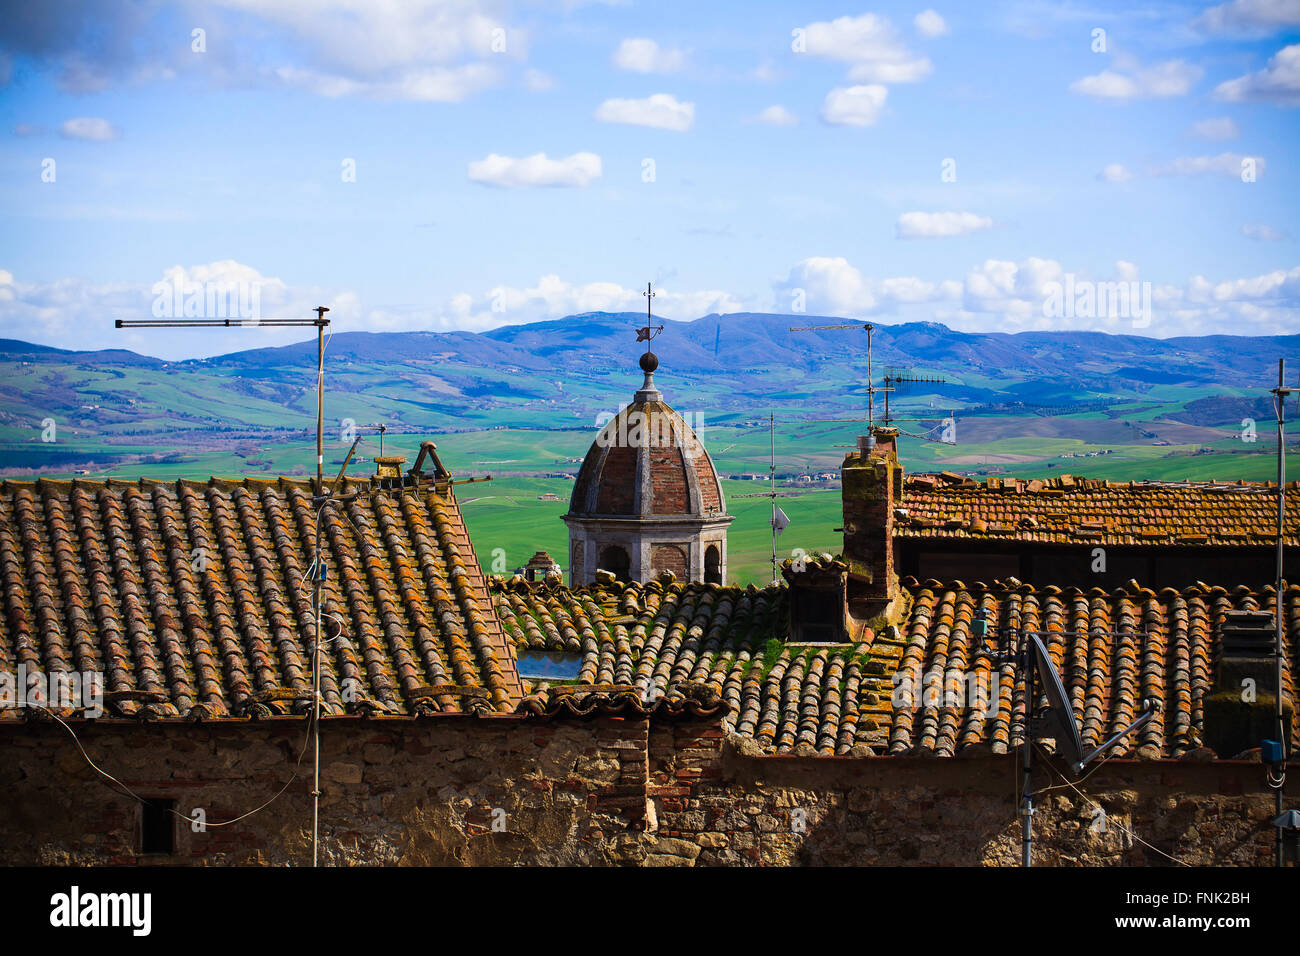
522	161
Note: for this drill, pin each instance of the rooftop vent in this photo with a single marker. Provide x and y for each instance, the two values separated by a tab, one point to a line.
1247	634
389	466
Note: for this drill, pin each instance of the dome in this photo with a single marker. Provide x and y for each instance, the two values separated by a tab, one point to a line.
647	462
647	503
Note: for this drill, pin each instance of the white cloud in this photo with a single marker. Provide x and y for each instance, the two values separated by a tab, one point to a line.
1115	173
1225	164
832	286
434	85
74	313
1218	128
641	55
1280	286
553	297
777	116
419	50
1250	16
89	127
1172	78
929	23
908	71
1003	295
870	44
1262	232
1278	83
580	169
935	225
660	111
362	38
854	105
537	81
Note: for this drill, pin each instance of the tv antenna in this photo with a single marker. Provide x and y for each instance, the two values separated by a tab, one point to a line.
1277	767
893	380
1054	717
891	383
322	497
320	323
871	388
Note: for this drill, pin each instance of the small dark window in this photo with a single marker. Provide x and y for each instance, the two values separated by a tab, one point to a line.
817	614
615	560
158	827
712	565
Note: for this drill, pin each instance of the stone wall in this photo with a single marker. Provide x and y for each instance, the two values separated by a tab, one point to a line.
590	792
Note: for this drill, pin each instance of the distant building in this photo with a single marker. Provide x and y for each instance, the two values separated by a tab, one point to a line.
647	498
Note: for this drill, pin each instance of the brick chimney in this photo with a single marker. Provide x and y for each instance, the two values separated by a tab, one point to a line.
389	466
872	483
1240	710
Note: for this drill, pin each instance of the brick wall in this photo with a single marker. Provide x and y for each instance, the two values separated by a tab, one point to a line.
618	482
669	557
603	791
668	494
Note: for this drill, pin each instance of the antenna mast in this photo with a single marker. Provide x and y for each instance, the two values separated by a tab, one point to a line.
1278	782
317	567
771	477
871	384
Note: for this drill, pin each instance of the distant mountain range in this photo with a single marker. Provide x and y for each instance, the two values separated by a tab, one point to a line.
727	344
561	373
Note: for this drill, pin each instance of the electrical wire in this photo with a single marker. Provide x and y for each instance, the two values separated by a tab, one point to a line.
1119	826
191	820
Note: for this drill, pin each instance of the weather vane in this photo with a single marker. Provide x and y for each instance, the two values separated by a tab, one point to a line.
650	330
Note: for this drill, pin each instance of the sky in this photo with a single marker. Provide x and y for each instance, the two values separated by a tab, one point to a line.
413	165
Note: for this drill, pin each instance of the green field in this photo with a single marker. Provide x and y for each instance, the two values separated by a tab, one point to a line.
507	523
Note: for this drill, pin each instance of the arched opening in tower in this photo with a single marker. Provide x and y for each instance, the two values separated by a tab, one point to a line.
712	565
615	560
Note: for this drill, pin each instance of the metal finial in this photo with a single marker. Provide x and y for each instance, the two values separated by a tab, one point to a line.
649	330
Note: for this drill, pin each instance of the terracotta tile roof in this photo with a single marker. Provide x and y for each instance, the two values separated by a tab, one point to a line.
1071	510
668	640
1106	677
192	599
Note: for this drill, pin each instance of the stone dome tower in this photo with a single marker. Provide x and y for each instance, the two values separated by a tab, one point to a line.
647	498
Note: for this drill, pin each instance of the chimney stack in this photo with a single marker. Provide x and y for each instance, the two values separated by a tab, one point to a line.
1240	710
388	470
872	483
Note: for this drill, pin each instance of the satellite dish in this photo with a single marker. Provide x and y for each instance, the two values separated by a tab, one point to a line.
1060	716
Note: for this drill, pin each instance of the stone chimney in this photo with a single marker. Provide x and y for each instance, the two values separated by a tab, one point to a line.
540	566
389	466
872	482
1240	710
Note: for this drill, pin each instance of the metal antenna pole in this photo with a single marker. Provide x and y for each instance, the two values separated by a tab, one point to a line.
320	398
319	322
871	383
318	576
1283	738
771	477
1027	812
